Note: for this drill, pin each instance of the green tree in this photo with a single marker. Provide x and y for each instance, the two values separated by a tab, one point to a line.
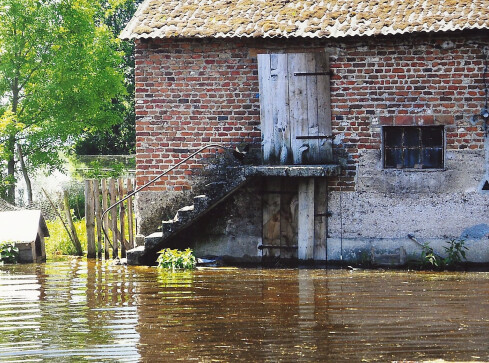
60	70
121	138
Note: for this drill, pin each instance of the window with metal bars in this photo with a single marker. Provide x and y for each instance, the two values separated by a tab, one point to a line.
415	147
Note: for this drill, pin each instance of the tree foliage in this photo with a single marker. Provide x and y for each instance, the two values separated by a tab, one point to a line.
121	138
60	72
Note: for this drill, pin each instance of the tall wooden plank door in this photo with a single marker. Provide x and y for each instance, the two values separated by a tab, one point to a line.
272	70
324	132
280	217
295	218
295	108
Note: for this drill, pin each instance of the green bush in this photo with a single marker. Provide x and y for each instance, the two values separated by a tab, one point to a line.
175	259
9	253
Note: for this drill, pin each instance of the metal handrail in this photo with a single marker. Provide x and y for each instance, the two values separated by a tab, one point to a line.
137	190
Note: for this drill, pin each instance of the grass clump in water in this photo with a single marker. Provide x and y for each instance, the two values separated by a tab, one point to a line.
176	259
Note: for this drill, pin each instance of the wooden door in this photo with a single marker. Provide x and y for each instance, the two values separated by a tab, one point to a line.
295	108
280	217
295	218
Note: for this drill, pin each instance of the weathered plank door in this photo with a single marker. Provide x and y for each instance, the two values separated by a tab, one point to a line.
295	218
295	108
280	217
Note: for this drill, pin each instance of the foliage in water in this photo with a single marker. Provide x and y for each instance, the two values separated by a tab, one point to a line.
455	254
9	253
176	259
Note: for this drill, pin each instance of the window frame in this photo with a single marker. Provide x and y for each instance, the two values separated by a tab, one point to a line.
420	146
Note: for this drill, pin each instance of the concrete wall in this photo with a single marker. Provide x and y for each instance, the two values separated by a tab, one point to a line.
434	206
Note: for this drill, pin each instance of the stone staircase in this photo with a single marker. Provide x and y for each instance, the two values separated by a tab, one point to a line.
186	216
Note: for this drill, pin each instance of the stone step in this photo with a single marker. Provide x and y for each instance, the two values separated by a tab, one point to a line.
184	214
153	239
135	256
215	190
168	227
201	202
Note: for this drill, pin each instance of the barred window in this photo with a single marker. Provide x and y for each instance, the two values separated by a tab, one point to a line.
417	147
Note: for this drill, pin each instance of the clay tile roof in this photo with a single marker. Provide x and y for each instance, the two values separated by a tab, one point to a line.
302	18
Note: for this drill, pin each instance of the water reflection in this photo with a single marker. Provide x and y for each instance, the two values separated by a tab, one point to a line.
56	317
78	310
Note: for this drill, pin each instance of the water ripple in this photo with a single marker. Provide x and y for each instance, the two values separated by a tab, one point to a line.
79	310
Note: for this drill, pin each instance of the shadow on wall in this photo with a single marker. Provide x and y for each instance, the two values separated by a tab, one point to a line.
478	231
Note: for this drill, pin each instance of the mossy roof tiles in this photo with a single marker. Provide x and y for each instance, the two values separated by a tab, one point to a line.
302	18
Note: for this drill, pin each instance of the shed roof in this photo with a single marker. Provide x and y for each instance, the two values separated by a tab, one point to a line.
302	18
21	225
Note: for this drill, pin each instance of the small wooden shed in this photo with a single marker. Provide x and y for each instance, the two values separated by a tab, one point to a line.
27	228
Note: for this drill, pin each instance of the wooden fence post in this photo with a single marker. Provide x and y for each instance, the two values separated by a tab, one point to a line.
98	217
130	215
90	218
113	199
122	214
97	199
106	217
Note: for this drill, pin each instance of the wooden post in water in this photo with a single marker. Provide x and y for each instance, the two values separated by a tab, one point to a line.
99	197
320	218
113	199
130	189
122	214
106	217
90	218
98	217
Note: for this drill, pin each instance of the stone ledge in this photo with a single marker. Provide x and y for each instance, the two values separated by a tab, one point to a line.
293	170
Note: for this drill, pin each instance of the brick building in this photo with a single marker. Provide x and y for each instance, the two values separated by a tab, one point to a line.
367	126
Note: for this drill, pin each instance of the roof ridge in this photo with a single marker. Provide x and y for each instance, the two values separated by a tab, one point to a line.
302	18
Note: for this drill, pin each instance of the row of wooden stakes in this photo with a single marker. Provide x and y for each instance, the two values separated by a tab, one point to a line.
118	223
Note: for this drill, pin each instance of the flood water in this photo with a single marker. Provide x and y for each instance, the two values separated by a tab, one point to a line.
75	310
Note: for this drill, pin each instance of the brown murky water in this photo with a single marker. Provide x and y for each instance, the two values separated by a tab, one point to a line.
84	311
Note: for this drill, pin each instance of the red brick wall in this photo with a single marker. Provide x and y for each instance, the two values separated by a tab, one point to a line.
407	81
189	93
